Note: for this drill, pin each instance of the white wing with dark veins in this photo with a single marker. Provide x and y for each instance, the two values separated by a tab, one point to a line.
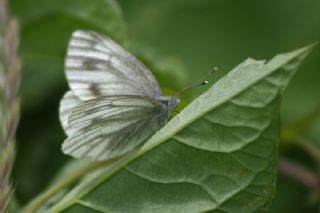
111	127
67	103
97	67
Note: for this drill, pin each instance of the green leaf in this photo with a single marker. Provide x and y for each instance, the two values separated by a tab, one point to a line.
45	31
219	154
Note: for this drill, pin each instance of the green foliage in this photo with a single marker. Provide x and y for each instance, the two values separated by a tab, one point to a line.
218	154
45	34
46	27
180	41
221	33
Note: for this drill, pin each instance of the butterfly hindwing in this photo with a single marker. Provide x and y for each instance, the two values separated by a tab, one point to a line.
113	126
96	67
67	103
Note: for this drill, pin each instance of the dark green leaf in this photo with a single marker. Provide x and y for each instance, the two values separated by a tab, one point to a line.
219	154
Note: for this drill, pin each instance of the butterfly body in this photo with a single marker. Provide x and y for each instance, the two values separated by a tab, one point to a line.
114	105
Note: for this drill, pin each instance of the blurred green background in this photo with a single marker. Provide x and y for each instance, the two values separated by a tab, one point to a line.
180	41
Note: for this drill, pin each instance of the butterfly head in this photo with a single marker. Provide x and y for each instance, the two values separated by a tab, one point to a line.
171	102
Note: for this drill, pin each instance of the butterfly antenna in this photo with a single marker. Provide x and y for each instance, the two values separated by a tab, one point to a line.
203	82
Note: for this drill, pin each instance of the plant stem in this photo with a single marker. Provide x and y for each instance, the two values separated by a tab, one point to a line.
299	173
9	102
311	149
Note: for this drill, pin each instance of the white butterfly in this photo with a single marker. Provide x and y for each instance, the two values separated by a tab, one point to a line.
114	105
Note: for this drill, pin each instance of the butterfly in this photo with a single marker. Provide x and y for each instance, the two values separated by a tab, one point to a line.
114	103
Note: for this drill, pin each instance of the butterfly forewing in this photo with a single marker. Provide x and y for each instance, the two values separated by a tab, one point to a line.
113	126
96	67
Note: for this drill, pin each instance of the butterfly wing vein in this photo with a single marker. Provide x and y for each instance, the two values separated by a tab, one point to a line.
112	126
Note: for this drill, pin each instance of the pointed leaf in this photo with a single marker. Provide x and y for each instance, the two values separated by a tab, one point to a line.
219	154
